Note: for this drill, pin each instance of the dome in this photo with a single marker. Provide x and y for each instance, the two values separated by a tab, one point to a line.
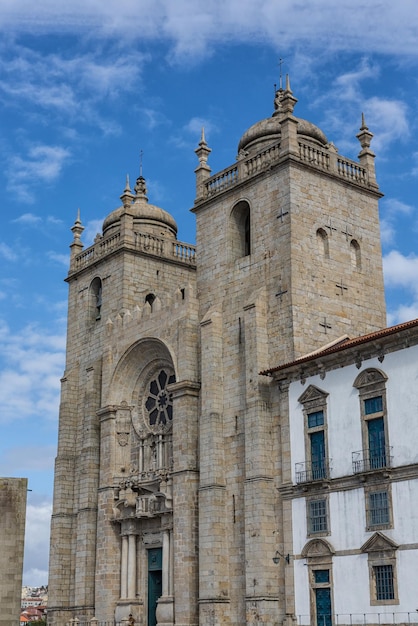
268	131
148	217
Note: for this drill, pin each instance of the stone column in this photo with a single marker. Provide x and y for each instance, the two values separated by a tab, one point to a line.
108	555
262	593
165	606
124	568
87	488
166	562
129	602
61	563
286	570
131	566
183	579
214	589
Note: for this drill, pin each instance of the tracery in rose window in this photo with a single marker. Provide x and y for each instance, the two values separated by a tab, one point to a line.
159	403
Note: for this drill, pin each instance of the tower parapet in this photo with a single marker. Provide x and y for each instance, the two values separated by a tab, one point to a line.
283	136
137	226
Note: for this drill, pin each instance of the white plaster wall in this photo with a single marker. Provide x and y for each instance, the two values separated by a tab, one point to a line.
407	561
302	592
351	591
405	512
343	411
351	585
402	399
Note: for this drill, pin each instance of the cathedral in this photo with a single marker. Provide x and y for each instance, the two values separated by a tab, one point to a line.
182	481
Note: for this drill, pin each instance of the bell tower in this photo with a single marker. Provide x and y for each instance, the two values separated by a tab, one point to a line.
126	469
289	261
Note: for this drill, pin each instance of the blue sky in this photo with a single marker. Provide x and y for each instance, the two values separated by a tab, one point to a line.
83	90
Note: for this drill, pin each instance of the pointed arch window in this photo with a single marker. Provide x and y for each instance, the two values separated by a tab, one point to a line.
240	230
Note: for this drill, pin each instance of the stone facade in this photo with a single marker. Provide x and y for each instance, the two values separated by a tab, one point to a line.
170	448
13	492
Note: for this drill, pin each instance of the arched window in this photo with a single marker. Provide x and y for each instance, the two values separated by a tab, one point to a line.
318	554
149	298
355	254
95	301
323	244
240	230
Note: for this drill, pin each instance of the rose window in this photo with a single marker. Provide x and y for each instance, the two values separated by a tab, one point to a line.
159	402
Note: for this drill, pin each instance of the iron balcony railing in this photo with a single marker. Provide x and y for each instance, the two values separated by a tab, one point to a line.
372	459
353	619
308	472
334	619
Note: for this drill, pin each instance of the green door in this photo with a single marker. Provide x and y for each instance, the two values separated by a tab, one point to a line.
322	598
155	584
377	447
323	607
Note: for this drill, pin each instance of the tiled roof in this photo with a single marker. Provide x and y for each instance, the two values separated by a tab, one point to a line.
344	345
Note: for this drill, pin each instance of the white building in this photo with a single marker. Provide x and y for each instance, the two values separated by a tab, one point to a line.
350	482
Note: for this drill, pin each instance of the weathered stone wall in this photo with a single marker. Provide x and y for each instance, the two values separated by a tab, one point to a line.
13	492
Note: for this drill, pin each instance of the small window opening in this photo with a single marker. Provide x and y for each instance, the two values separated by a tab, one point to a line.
96	298
323	243
150	298
355	254
240	230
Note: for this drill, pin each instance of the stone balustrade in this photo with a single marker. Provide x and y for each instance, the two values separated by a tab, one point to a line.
322	158
222	180
145	242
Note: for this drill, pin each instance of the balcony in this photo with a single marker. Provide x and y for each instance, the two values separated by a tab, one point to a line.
310	472
370	460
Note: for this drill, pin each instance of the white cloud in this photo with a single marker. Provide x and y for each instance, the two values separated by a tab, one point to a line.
402	313
414	171
91	229
392	209
54	220
7	252
62	259
151	118
195	125
31	364
390	121
189	136
23	460
193	26
342	103
38	519
347	85
401	272
43	163
28	219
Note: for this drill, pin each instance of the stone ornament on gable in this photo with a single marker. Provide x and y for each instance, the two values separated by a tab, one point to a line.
317	548
378	542
369	377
